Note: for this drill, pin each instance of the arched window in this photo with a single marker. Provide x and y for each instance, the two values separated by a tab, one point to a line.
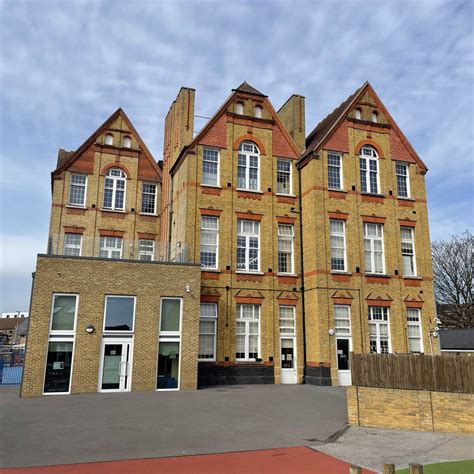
369	170
109	139
126	142
258	111
358	114
239	108
375	117
114	189
248	173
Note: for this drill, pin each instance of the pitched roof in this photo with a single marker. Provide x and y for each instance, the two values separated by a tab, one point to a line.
324	128
10	323
248	89
314	139
66	158
460	339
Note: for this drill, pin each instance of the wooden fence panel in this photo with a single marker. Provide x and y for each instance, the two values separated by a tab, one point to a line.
444	373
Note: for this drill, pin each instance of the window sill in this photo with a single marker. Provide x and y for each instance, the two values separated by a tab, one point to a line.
144	213
249	191
72	206
215	186
412	277
285	195
210	270
379	275
207	360
363	193
113	210
337	190
340	272
403	198
280	274
243	272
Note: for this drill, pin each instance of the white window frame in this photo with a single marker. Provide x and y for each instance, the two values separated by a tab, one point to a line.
358	114
258	111
405	176
290	177
206	160
418	324
77	185
208	318
338	234
411	242
134	314
115	180
143	253
377	323
347	317
239	108
171	333
247	155
375	117
70	332
371	240
109	138
281	324
72	246
109	249
369	158
148	193
210	230
126	141
291	239
341	174
247	334
170	336
247	236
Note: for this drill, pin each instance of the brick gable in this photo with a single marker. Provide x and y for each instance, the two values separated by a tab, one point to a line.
217	134
339	140
280	145
398	149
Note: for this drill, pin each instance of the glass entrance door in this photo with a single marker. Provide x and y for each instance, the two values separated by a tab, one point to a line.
343	348
115	366
288	360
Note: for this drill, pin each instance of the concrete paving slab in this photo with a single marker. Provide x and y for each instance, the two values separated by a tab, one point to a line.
101	427
371	447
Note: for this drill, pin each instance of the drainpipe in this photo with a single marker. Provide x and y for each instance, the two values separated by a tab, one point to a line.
303	311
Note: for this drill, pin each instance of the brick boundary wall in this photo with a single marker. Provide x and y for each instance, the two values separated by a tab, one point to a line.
419	410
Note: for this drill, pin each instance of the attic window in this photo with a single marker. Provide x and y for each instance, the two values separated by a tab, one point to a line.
109	139
258	111
239	108
375	117
127	142
358	114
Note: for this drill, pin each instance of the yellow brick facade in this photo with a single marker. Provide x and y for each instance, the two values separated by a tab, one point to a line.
411	409
312	288
94	279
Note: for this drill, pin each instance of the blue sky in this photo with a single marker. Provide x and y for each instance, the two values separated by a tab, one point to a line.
66	66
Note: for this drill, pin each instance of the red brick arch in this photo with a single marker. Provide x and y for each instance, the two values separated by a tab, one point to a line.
116	165
250	138
370	142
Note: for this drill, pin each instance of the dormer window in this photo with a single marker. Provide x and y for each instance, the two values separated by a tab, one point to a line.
358	114
258	111
375	117
109	139
239	108
127	142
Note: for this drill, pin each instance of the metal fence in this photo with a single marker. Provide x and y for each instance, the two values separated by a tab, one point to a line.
442	373
118	248
11	365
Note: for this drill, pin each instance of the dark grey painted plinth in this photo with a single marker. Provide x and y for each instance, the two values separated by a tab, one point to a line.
211	374
320	376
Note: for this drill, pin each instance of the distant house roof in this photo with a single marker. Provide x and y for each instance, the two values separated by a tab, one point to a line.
457	339
8	324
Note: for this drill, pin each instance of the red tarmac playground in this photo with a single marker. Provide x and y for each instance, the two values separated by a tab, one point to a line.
300	459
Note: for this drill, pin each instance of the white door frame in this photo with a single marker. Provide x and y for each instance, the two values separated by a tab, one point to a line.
295	361
128	369
344	373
